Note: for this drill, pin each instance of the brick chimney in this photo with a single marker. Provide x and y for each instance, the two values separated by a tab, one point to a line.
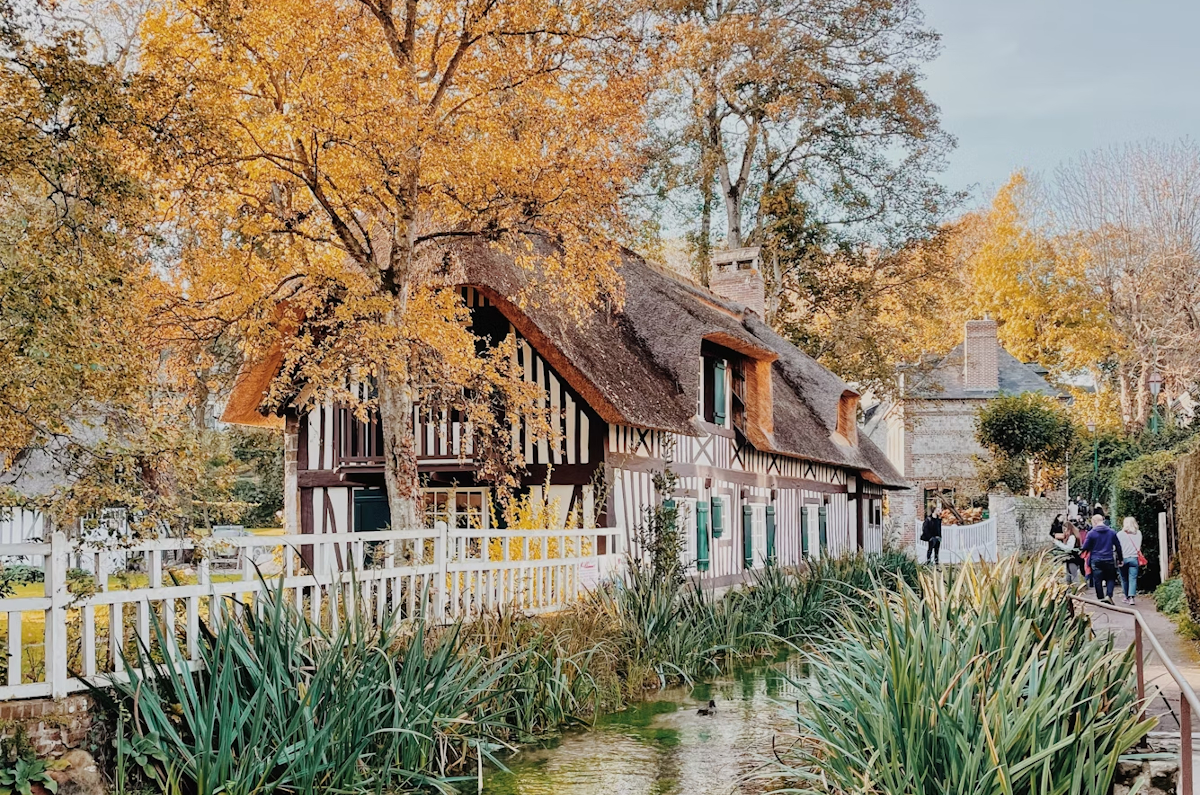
736	276
981	369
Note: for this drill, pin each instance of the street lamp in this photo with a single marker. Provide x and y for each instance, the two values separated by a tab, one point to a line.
1156	382
1091	426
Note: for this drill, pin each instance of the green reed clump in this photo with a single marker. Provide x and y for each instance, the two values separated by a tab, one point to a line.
285	705
991	683
673	631
562	669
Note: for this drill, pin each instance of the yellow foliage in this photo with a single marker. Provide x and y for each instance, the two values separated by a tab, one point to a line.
330	153
1034	284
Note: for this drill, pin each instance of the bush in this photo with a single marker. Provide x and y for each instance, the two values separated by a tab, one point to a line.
1169	597
685	632
16	574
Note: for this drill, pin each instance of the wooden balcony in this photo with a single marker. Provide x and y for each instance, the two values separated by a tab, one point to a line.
358	444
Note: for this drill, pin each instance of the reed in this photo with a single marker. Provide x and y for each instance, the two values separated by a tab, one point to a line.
985	681
285	705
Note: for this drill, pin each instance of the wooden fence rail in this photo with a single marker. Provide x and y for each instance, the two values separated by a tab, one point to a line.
72	635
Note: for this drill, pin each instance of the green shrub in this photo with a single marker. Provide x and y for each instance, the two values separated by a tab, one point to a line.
684	632
1169	597
15	574
990	683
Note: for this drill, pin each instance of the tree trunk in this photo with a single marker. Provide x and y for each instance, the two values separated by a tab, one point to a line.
399	451
704	237
1143	393
1125	396
733	208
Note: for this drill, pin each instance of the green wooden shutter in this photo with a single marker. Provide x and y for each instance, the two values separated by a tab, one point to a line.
804	531
718	518
719	392
823	527
771	534
702	560
748	536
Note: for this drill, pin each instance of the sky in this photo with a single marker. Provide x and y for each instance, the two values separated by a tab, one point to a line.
1034	83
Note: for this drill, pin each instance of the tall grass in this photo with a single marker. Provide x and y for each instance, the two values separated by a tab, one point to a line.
670	631
984	682
284	705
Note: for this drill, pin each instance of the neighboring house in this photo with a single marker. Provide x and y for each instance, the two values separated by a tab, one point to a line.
764	440
929	432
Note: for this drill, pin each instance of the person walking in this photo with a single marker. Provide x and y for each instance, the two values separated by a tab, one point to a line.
1069	545
1131	547
1104	550
931	534
1056	528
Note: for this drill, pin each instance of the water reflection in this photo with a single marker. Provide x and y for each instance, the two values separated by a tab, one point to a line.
663	747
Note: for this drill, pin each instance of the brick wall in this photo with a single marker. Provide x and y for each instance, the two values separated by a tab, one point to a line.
744	287
981	369
51	726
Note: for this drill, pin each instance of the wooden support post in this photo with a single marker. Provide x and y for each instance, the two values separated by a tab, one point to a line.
1164	556
1141	663
1185	745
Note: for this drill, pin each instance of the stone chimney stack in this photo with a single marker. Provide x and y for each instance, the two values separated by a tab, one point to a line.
736	276
981	368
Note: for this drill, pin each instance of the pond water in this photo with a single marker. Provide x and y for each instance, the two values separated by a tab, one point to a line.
663	747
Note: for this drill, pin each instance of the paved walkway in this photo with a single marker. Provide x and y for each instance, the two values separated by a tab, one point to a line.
1184	654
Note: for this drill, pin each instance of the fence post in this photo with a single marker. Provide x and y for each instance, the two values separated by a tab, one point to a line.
441	551
1164	558
56	616
1141	663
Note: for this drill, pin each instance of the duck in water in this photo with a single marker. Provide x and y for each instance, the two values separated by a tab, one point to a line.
711	709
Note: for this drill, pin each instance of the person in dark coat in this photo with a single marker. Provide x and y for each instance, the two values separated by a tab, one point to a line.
1105	551
1056	528
931	534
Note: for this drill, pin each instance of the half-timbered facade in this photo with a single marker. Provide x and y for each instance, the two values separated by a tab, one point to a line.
762	439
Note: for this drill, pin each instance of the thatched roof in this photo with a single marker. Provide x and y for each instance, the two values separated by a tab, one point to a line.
639	365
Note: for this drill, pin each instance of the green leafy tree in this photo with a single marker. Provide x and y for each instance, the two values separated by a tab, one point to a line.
1030	428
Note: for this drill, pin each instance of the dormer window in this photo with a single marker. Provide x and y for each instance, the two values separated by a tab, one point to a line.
847	418
714	396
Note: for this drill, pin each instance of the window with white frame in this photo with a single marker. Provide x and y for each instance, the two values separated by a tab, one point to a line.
465	509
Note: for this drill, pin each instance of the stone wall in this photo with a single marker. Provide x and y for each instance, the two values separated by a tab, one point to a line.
52	727
1023	523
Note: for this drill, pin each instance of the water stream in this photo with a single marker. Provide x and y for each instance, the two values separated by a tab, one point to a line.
663	747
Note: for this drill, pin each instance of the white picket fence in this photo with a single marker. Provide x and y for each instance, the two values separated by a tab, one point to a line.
963	543
59	640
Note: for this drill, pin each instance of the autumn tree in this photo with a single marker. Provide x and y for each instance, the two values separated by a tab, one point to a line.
85	415
325	155
1134	215
73	366
819	100
861	311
